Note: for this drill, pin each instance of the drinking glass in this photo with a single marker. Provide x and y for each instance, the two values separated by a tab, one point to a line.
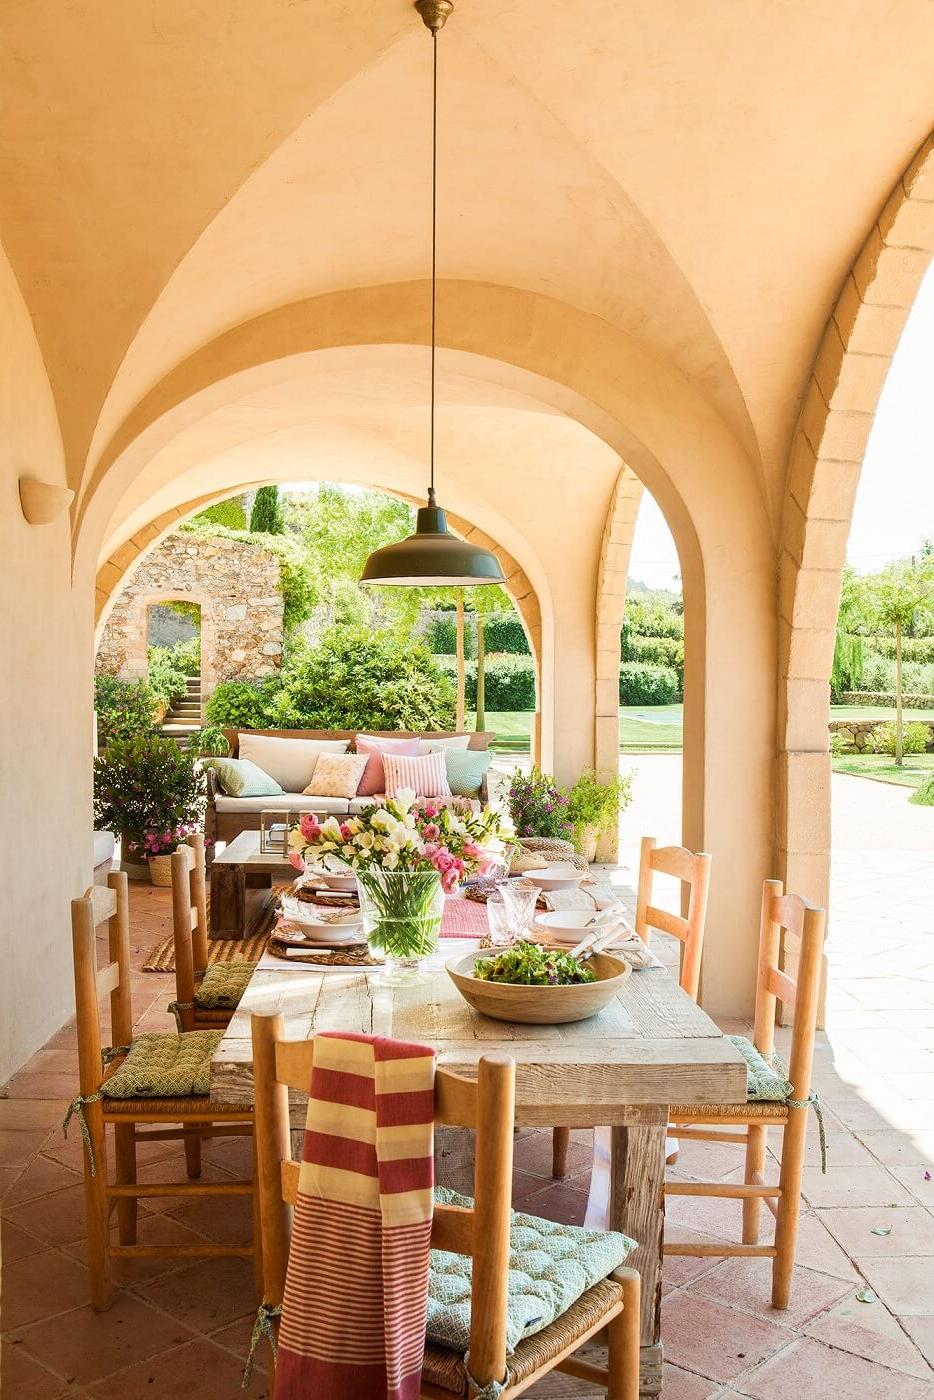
510	910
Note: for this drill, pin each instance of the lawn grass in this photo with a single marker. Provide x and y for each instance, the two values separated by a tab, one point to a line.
879	712
641	728
883	768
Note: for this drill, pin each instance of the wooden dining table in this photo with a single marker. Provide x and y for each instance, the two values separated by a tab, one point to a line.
650	1047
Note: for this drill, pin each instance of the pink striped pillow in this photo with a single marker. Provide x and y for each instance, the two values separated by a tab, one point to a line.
425	774
374	778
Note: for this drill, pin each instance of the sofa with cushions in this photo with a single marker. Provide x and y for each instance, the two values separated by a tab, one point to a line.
336	772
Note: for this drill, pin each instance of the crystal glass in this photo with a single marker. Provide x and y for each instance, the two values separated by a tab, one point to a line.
510	910
402	912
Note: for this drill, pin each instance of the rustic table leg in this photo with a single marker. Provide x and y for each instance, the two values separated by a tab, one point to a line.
636	1206
228	891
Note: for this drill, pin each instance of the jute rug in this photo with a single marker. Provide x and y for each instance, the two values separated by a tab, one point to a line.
161	958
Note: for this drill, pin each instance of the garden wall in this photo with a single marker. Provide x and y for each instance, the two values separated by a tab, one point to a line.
237	587
854	733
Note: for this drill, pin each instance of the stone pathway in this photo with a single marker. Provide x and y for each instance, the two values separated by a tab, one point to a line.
181	1329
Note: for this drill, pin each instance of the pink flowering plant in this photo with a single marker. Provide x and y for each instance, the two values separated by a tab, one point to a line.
539	807
406	856
163	843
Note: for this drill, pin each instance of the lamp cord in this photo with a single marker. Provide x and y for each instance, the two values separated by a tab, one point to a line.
434	248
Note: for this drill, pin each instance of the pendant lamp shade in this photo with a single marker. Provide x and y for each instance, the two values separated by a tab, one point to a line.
432	557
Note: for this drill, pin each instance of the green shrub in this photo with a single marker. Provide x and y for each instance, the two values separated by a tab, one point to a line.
125	709
640	684
915	738
537	805
504	633
923	795
597	805
209	742
246	704
510	681
838	745
355	678
147	785
656	651
913	648
167	681
266	517
651	617
186	656
230	514
441	635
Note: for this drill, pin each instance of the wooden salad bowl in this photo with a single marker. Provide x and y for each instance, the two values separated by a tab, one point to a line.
539	1006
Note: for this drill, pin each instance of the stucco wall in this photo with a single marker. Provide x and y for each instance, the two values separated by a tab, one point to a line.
235	584
45	719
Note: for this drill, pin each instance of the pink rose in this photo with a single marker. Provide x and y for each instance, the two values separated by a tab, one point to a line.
346	832
309	826
431	832
430	850
430	811
296	861
472	851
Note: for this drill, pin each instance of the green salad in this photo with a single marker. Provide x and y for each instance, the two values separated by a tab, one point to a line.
530	965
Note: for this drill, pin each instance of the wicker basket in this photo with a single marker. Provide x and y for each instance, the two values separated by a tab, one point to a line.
160	870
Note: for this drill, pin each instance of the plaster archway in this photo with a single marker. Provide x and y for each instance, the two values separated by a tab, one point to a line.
826	459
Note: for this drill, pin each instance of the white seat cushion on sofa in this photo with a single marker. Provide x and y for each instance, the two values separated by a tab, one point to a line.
290	761
288	802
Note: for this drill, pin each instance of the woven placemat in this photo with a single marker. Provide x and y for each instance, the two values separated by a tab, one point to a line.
161	958
326	957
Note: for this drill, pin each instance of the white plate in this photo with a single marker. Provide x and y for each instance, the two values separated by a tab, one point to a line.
556	877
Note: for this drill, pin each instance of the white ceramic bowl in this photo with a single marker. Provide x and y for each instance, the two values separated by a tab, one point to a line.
308	917
347	884
570	925
556	877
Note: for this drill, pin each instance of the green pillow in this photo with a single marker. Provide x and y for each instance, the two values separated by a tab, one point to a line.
466	768
241	778
161	1066
764	1084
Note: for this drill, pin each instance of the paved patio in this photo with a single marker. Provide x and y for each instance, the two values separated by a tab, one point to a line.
182	1329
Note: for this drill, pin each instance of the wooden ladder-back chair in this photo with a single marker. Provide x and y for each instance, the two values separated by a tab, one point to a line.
193	975
693	870
488	1105
188	1119
791	932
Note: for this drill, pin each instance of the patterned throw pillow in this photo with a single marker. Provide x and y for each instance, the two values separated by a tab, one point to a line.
465	770
374	778
425	775
240	778
337	775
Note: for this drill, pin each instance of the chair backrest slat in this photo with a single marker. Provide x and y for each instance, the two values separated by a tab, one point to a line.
189	922
486	1104
693	870
99	905
803	926
108	979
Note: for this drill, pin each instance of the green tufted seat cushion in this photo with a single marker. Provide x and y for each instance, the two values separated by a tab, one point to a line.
550	1266
763	1083
223	985
164	1067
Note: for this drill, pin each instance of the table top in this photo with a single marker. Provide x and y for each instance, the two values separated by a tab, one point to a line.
244	850
651	1045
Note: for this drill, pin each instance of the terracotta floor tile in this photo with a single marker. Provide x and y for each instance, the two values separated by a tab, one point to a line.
18	1148
853	1186
198	1370
914	1180
87	1345
747	1284
921	1332
226	1220
871	1331
896	1148
206	1295
683	1385
40	1178
809	1369
714	1340
235	1154
681	1269
904	1285
40	1285
714	1218
8	1178
56	1219
235	1338
152	1229
22	1378
16	1243
43	1085
911	1231
533	1155
24	1116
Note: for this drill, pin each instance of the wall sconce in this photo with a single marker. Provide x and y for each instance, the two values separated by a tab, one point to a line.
42	502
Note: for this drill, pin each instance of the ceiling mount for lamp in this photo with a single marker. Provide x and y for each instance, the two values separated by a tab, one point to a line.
432	556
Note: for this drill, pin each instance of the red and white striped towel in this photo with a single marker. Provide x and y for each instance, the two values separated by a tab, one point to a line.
356	1290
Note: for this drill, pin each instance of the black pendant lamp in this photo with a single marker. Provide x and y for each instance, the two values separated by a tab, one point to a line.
432	556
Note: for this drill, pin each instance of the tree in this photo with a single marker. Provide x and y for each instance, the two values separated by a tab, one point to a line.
853	619
903	595
230	513
266	517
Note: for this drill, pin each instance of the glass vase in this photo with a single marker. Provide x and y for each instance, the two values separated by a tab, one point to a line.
402	912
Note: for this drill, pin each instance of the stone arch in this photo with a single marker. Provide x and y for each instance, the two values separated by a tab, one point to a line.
825	462
136	663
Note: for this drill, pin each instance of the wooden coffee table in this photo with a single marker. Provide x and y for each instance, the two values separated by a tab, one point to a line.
242	879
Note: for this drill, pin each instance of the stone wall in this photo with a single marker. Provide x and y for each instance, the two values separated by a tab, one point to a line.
235	584
854	733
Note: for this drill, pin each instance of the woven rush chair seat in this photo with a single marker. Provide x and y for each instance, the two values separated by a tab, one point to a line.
766	1090
171	1109
446	1369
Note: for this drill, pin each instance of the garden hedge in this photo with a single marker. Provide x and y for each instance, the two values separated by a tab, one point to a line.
641	684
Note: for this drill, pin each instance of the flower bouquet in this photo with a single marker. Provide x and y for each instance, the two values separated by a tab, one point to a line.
406	858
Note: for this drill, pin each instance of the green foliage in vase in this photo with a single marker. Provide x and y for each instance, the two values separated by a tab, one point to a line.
597	804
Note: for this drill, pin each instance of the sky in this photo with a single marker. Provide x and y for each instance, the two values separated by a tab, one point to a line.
895	501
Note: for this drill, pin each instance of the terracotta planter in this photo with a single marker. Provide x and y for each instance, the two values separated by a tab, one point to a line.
587	843
160	870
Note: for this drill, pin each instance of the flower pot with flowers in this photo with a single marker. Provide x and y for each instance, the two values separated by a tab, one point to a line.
594	808
149	793
406	859
538	807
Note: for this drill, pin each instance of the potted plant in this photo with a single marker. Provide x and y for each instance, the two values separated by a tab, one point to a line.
406	858
538	807
594	808
149	793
